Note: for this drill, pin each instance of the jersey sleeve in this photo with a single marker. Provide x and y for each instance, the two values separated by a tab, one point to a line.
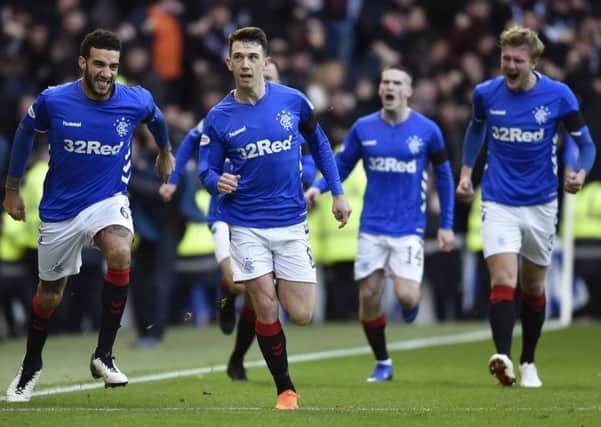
478	108
147	106
569	103
346	158
185	152
436	142
37	117
211	155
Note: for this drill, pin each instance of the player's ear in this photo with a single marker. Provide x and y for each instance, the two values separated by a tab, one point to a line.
81	61
228	63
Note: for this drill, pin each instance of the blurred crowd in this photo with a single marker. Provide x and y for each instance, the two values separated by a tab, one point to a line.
333	50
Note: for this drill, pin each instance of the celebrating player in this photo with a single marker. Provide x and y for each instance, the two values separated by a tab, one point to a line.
90	123
396	145
257	126
518	113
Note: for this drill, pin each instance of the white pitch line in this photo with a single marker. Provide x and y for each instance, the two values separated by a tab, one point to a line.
461	338
418	410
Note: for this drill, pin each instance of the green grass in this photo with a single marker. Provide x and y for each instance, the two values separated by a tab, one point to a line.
433	386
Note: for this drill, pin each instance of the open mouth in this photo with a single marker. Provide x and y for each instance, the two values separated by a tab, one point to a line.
511	77
103	85
389	97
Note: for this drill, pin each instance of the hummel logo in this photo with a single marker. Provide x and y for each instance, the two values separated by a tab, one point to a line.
498	112
72	124
237	132
369	142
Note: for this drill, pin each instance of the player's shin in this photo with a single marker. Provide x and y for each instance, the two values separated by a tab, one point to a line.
114	298
533	317
502	317
272	342
37	333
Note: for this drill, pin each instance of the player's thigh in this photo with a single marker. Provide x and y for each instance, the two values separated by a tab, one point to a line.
532	277
59	249
221	240
503	269
371	287
250	253
112	211
292	255
501	230
539	232
297	299
111	227
372	255
262	294
406	290
406	258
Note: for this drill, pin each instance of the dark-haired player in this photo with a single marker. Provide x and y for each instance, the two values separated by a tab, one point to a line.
90	123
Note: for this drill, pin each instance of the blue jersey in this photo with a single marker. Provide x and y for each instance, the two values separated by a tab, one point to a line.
396	160
191	144
521	130
89	143
263	142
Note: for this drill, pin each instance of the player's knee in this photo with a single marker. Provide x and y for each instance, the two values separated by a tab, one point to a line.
301	316
368	298
49	297
503	277
118	256
408	297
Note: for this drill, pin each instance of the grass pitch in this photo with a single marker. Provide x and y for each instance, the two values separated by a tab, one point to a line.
441	379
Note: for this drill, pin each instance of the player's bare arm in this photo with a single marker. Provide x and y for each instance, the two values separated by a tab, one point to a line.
446	240
341	209
166	191
311	196
574	181
165	163
227	183
13	202
465	189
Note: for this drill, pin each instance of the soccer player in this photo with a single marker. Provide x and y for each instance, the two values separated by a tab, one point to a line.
90	123
245	332
257	126
518	113
397	145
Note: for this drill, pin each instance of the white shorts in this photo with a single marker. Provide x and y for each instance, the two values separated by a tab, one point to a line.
60	243
525	230
285	251
400	256
221	240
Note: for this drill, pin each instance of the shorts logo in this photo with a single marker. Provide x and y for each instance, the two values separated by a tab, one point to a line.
57	268
248	266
